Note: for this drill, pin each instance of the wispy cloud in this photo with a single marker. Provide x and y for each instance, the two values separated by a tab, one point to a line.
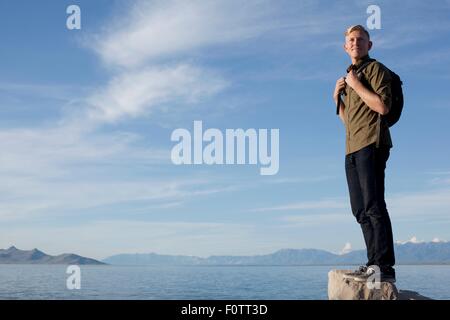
412	240
346	249
162	29
56	151
307	220
427	205
307	205
147	54
440	178
404	206
305	180
37	198
55	171
437	240
72	165
133	94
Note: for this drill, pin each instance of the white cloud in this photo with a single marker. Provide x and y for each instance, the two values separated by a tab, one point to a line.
415	240
405	27
435	202
308	205
318	219
55	171
437	240
72	166
346	249
317	179
54	152
149	45
412	240
427	205
403	209
133	94
160	29
441	178
37	198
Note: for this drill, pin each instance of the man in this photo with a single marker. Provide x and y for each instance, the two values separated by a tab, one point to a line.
367	96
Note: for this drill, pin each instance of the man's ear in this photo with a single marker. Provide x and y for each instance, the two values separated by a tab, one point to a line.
370	44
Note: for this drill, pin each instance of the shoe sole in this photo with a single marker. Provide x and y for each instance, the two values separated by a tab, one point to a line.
356	279
350	277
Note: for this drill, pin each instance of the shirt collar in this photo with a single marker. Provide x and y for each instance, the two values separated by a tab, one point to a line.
358	63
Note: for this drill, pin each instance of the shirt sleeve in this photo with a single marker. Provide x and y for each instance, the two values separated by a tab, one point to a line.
379	79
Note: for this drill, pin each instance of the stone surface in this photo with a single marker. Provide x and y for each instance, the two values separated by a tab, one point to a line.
411	295
346	289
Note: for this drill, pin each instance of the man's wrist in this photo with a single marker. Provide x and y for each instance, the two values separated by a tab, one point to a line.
358	87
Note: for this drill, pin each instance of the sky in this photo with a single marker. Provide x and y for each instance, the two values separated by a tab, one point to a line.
86	118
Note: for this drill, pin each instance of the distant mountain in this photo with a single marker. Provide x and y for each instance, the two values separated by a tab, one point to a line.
424	252
280	257
408	253
13	255
152	259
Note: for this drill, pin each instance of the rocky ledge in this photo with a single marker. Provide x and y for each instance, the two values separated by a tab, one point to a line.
345	289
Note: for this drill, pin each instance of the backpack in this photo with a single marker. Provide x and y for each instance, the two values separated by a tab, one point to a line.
397	96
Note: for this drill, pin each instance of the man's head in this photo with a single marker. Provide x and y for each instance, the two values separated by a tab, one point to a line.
357	42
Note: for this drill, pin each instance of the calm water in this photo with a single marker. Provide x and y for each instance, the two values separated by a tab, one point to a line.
201	282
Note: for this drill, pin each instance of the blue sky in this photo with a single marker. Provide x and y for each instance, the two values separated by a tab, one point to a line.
86	117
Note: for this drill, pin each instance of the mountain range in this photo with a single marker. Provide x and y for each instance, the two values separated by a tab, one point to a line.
12	255
407	253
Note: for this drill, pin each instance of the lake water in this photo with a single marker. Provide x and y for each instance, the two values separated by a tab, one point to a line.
199	282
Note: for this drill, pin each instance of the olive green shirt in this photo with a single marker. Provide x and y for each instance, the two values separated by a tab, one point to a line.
363	125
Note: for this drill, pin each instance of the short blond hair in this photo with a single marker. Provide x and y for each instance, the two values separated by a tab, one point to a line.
357	27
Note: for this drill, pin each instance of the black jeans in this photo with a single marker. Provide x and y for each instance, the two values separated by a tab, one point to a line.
365	179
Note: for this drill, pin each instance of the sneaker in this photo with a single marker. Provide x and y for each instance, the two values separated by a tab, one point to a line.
387	274
364	277
387	277
358	272
384	276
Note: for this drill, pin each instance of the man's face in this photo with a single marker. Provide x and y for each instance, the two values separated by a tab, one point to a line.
357	44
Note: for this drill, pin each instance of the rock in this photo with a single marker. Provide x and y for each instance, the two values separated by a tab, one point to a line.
346	289
411	295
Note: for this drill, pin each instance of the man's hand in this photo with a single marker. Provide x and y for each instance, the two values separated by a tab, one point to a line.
340	85
370	98
352	80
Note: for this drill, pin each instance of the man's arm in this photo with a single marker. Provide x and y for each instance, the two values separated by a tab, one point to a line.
370	98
